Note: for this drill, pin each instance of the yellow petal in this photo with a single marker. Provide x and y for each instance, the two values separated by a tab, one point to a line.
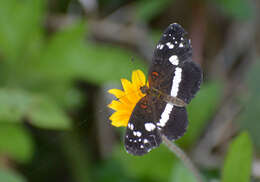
118	115
127	99
127	85
116	92
130	91
119	106
120	95
121	123
138	78
120	118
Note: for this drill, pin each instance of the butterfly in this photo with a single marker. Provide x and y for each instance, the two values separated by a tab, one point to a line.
173	81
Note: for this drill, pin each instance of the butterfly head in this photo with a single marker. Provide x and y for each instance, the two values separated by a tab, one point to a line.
144	89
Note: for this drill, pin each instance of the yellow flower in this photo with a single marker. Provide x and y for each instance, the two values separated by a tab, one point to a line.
127	99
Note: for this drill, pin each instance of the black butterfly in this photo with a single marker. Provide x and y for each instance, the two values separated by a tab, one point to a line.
173	80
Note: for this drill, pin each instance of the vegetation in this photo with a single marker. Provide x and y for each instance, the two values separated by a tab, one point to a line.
59	58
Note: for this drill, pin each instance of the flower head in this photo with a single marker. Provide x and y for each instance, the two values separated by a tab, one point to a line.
127	98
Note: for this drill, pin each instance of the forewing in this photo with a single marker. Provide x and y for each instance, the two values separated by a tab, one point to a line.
191	78
174	41
142	134
172	71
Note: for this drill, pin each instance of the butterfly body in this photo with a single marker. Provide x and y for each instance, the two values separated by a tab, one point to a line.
160	95
173	80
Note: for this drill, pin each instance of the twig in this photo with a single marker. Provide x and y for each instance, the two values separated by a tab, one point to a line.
185	159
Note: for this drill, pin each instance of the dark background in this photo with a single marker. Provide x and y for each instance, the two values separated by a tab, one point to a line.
59	58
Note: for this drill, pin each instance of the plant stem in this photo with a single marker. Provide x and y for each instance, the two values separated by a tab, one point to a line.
185	159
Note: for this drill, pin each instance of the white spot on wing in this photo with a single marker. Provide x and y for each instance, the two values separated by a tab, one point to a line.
181	45
149	126
174	60
165	115
170	45
141	146
174	91
145	141
161	46
130	126
176	81
137	133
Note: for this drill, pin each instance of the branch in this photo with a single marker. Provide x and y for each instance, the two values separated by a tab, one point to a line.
185	159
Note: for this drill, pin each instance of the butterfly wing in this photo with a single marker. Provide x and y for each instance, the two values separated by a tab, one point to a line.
173	121
142	134
151	118
172	71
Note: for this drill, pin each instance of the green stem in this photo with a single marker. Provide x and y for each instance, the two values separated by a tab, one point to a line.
185	159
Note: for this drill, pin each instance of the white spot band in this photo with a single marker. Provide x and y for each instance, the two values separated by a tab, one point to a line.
149	126
176	81
174	60
174	91
170	45
165	115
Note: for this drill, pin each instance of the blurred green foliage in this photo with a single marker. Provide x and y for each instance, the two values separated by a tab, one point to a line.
237	166
39	72
181	173
200	110
148	9
16	142
250	102
17	105
154	166
237	9
10	176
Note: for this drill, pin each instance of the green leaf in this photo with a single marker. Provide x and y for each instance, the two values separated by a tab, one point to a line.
69	57
200	110
44	113
19	26
14	104
15	142
181	173
38	109
238	162
106	59
238	9
10	176
148	9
